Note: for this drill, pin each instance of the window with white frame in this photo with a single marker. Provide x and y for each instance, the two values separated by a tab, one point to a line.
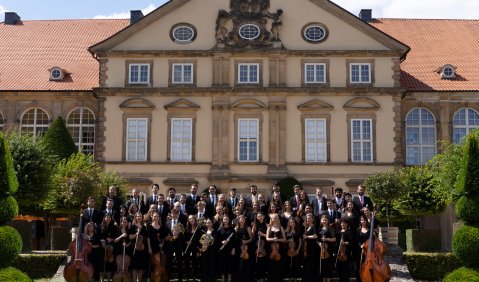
464	121
361	140
248	140
35	121
420	136
182	73
315	140
81	125
139	74
314	73
136	139
360	73
248	73
181	139
2	121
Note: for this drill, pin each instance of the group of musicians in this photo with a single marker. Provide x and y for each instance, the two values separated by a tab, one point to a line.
250	237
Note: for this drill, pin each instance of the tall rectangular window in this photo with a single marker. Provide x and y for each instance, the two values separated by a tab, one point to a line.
314	73
182	73
248	73
136	139
181	139
361	140
360	73
315	140
139	74
248	140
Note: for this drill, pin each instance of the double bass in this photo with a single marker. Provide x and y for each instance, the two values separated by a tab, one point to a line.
78	269
374	268
122	264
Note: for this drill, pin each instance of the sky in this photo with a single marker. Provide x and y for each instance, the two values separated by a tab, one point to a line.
82	9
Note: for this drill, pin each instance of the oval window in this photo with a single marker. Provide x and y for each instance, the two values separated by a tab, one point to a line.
314	33
183	33
249	31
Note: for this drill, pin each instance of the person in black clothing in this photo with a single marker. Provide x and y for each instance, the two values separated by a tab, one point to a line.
276	238
137	235
192	237
244	237
153	199
295	249
362	201
91	214
176	243
328	240
361	237
122	242
344	253
108	231
109	210
95	257
156	234
208	252
192	199
112	194
259	259
226	255
310	251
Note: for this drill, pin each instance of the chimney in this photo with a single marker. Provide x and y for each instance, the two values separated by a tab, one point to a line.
366	15
11	18
135	15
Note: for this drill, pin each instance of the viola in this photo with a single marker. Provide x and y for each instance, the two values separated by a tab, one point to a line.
342	255
260	251
158	262
122	264
275	255
324	250
292	252
374	268
78	269
244	252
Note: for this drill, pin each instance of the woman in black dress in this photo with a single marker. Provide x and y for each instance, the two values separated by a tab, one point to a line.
294	254
259	260
95	257
286	214
362	236
276	238
122	242
156	234
344	253
244	237
310	251
226	255
108	233
208	252
192	235
328	241
138	235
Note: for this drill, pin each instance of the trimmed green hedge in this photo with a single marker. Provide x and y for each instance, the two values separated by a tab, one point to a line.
430	266
13	274
8	209
467	208
465	245
423	240
8	179
58	141
462	274
10	245
39	266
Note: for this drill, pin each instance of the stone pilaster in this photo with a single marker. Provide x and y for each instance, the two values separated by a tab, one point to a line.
220	149
277	137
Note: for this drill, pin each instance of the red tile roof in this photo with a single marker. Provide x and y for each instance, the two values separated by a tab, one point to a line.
29	49
435	43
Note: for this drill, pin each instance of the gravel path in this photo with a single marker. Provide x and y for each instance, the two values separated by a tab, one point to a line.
398	266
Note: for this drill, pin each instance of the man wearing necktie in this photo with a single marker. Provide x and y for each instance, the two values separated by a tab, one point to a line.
192	199
153	199
110	211
176	245
91	214
211	201
362	201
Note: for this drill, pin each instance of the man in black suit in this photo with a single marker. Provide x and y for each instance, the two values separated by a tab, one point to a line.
201	211
331	212
338	199
212	200
252	197
362	201
275	190
153	199
90	214
137	201
111	212
163	208
176	244
232	201
112	194
294	200
319	203
171	199
192	199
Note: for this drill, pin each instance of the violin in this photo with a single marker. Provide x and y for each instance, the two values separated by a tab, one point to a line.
78	269
374	268
342	256
122	264
275	255
109	253
324	249
292	252
139	245
244	252
260	251
158	262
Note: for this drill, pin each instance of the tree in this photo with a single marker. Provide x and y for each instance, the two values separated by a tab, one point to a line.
384	188
421	198
468	180
58	142
73	181
33	169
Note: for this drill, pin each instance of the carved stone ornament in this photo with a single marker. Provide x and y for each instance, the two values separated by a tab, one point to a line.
248	24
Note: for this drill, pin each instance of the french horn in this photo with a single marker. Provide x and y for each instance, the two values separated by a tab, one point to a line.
177	230
206	240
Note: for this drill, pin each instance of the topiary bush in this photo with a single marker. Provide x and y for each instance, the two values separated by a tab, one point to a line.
39	266
10	245
462	274
467	209
465	245
468	180
13	274
8	209
286	186
430	266
8	179
58	141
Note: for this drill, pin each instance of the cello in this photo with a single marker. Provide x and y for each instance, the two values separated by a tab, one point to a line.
122	264
158	262
78	269
374	268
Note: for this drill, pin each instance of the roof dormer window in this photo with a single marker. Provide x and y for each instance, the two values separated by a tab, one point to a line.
447	71
57	74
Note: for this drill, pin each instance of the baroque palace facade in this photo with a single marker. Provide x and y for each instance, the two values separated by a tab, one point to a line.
242	92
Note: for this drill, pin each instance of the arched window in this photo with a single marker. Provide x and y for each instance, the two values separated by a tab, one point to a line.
2	121
81	124
35	121
420	136
464	121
